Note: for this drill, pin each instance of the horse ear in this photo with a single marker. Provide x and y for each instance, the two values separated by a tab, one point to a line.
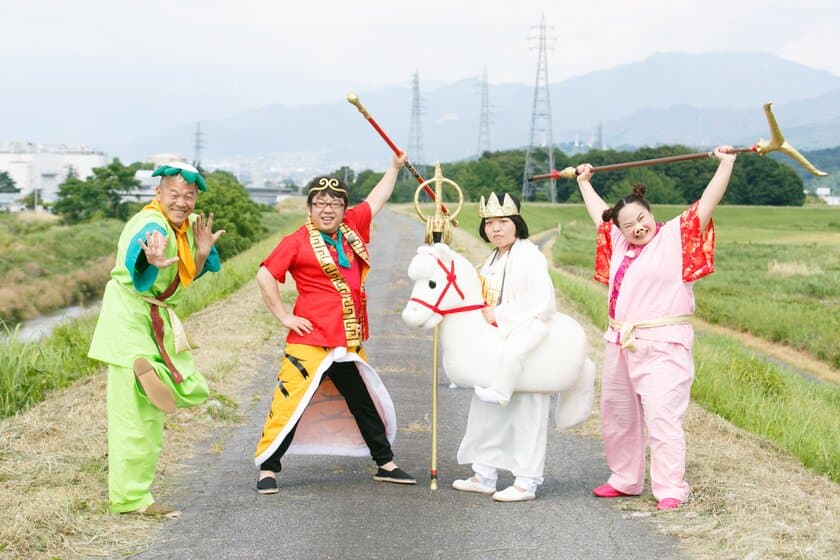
422	265
442	251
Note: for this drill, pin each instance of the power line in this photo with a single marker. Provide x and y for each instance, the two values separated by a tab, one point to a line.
540	155
415	133
484	120
198	144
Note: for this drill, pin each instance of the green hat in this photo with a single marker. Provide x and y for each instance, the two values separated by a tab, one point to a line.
185	170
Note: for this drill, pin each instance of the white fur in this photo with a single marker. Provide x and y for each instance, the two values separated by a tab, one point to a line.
473	351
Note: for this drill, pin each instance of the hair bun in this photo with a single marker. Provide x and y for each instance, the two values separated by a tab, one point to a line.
639	190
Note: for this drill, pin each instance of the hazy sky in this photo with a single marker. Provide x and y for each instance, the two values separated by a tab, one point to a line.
320	45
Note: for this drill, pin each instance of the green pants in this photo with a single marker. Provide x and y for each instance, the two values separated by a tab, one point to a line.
135	433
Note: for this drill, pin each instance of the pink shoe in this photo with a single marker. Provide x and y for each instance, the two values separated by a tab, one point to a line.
668	503
607	491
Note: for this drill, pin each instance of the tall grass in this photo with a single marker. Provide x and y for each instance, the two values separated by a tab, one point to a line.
54	249
777	270
28	370
48	266
798	414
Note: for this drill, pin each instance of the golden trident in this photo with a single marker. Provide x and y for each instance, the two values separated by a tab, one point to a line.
439	226
438	230
777	143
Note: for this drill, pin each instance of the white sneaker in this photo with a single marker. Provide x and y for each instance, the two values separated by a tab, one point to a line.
469	485
513	494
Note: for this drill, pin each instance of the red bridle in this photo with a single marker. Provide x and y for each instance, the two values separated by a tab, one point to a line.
451	280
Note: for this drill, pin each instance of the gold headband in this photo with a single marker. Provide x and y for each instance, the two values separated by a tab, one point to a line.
328	183
495	210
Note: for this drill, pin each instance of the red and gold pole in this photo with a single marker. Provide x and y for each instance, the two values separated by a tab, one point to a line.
354	100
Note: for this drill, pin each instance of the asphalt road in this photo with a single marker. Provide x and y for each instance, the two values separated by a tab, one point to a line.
330	508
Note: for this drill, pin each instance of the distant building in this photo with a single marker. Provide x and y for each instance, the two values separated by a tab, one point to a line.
9	202
162	159
43	168
825	194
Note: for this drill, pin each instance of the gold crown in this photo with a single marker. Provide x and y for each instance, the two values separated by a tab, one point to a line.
328	183
495	210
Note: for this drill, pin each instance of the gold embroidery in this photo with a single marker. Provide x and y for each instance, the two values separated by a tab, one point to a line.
493	280
328	183
354	328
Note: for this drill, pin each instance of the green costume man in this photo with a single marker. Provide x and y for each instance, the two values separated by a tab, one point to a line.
151	371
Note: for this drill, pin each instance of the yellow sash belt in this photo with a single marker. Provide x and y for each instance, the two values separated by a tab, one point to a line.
627	330
183	342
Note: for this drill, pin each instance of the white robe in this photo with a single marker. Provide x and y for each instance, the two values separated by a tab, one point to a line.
513	437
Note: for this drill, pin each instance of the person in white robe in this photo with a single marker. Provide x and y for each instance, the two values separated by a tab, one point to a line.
508	431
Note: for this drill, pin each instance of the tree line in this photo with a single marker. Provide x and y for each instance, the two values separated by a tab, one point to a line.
756	180
101	196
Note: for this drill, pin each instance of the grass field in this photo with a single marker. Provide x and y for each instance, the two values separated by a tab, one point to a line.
777	269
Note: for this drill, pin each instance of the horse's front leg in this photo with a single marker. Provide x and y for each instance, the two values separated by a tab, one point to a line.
517	345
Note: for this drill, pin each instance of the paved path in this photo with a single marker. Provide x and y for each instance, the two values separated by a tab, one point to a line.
329	507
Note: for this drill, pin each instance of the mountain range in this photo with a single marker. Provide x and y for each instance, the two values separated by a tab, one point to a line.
694	99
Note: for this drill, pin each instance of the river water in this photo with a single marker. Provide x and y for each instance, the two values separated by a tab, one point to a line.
35	329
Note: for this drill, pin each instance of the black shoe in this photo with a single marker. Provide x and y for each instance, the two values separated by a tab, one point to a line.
397	476
267	485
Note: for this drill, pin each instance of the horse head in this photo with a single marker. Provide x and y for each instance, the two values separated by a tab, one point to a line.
444	283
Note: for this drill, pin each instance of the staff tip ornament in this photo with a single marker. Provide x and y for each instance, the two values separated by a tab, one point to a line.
353	99
777	143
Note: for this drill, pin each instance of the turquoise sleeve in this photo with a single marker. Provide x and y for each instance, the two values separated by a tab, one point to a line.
213	263
143	275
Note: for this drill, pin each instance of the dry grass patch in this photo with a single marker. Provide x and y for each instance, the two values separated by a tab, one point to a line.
776	269
53	457
751	499
418	426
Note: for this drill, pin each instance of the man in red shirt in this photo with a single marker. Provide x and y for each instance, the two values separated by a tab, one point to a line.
328	399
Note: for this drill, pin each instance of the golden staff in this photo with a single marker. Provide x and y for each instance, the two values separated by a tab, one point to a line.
777	143
438	230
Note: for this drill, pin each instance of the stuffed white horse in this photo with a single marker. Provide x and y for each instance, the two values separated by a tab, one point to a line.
447	291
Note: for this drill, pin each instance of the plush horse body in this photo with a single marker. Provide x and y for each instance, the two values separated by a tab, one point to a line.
447	292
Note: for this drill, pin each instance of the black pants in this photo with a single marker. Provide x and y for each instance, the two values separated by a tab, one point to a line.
345	376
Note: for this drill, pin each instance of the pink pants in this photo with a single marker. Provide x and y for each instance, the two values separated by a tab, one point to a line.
652	385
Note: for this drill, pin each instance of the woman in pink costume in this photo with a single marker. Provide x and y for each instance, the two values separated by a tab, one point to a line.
648	368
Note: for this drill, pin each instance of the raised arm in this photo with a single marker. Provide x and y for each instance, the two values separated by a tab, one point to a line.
205	239
716	188
380	194
595	205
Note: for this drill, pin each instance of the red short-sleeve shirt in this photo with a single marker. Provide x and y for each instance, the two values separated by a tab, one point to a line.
318	299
